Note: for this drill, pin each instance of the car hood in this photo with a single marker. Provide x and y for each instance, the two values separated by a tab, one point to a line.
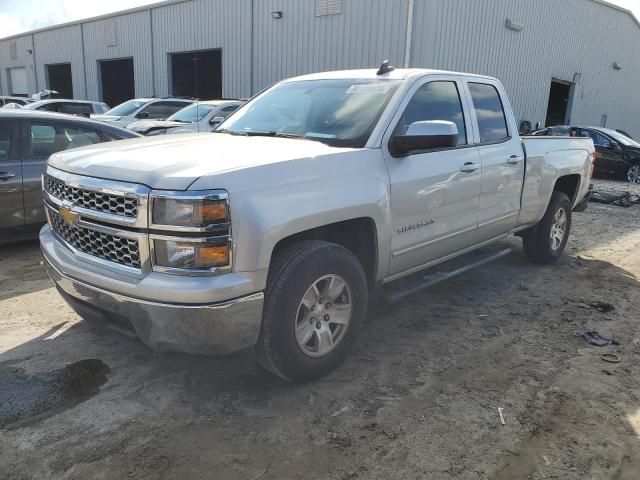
143	125
175	162
104	118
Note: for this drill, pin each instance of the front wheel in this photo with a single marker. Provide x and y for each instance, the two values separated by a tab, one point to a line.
545	242
633	174
315	303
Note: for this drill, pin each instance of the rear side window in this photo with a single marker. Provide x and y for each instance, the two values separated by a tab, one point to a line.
47	139
173	107
76	109
492	122
226	111
435	101
5	141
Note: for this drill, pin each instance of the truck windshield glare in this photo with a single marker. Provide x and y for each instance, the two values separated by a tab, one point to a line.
336	112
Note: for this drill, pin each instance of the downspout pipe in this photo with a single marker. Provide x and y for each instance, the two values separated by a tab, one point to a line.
409	39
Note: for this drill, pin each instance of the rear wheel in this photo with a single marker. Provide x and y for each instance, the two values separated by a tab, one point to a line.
315	303
545	242
633	174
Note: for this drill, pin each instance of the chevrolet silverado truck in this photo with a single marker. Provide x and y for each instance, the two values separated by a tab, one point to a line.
276	230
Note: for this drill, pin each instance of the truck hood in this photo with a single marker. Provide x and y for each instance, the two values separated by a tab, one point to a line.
175	162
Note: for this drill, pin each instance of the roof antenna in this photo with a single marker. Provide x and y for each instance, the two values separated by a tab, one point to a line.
385	68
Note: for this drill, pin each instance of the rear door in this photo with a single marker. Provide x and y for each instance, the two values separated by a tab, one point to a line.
44	138
434	194
501	155
11	207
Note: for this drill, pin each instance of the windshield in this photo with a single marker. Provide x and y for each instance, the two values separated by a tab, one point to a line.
192	113
126	108
336	112
620	138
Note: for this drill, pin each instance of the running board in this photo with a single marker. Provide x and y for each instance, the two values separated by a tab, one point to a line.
402	288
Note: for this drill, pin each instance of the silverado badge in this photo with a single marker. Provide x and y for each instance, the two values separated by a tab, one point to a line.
415	226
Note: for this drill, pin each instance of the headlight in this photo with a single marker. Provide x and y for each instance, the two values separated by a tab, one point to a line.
191	255
186	210
200	238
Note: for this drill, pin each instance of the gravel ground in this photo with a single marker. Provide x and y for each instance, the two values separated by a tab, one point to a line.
417	399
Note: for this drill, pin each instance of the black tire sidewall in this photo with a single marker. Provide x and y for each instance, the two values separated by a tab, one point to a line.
290	360
538	245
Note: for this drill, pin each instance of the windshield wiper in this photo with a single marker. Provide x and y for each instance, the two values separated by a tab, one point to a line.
230	132
272	133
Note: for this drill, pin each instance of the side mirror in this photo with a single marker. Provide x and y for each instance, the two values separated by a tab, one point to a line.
425	135
216	120
143	115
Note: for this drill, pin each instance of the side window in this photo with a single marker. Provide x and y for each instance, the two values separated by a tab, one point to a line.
50	107
157	110
5	141
76	109
173	107
47	139
492	122
226	111
437	100
599	140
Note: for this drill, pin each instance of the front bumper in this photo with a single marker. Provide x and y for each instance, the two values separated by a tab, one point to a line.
215	328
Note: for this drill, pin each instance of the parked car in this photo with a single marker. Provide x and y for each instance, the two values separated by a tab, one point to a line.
4	100
27	138
616	154
82	108
197	117
333	184
143	109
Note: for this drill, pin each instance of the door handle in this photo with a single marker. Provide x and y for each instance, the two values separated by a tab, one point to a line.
513	159
6	175
469	167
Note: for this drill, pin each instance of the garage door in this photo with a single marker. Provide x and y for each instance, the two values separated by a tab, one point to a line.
18	81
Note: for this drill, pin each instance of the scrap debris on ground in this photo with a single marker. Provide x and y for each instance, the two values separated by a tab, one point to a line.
417	399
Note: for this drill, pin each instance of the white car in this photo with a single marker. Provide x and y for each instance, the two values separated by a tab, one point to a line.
198	117
83	108
142	108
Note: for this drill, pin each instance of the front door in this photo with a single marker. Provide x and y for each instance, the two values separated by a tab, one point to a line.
11	206
606	154
435	194
502	160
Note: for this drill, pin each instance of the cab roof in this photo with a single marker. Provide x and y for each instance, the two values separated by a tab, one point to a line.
372	74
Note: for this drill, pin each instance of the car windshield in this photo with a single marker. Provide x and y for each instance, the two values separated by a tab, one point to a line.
192	113
620	138
336	112
126	108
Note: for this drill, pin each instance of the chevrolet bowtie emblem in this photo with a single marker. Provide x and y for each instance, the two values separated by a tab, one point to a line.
69	217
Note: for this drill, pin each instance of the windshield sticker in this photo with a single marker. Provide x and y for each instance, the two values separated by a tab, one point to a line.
371	88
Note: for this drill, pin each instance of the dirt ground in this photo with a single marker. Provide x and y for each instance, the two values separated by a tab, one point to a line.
417	399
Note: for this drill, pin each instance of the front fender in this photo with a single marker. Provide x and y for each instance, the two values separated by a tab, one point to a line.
272	202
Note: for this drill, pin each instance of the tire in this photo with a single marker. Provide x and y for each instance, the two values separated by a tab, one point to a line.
287	321
538	243
633	174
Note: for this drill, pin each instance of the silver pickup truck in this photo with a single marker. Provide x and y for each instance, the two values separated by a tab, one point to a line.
274	231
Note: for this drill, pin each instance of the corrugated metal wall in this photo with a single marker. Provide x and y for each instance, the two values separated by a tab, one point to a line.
559	39
365	33
61	45
132	39
23	45
203	25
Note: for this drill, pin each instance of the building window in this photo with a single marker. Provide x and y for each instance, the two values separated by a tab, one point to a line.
110	34
328	7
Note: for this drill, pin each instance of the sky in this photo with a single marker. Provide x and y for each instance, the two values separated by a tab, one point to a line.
17	16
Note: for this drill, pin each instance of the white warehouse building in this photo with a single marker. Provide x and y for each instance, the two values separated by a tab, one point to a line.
561	61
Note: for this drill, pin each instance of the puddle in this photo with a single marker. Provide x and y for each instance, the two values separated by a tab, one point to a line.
27	399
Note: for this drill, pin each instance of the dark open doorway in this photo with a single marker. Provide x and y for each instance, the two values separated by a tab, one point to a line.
559	103
197	74
59	79
116	80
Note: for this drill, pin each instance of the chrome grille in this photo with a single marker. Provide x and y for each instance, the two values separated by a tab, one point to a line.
123	251
91	200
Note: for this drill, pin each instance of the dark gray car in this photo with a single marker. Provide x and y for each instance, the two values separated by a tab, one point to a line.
27	138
